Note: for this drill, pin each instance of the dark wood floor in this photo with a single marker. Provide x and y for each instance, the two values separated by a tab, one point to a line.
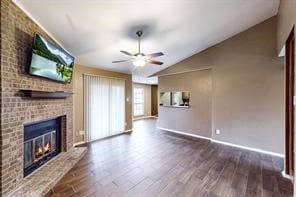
150	162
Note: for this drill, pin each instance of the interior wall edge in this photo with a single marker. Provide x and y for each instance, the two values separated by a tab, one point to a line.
186	71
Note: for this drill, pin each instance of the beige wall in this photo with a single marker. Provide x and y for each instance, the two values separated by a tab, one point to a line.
154	100
196	119
248	88
147	98
78	97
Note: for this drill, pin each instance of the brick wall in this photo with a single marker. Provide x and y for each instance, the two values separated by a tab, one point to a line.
16	41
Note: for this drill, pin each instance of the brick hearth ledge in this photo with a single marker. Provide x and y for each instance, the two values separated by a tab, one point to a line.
43	179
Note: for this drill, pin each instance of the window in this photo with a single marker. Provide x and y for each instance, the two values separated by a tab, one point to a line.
138	101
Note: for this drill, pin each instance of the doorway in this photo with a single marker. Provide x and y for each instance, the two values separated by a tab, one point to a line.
289	93
154	100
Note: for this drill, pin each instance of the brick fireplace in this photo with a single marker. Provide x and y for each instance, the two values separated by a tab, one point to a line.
42	142
17	30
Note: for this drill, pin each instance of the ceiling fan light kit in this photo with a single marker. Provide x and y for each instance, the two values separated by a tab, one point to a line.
139	62
140	59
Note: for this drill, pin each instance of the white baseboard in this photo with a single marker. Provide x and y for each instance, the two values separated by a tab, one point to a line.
222	142
183	133
144	117
287	176
248	148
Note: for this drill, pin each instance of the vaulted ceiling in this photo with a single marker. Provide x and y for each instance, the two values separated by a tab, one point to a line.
94	31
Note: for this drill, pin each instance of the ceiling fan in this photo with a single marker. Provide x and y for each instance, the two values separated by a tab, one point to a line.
140	59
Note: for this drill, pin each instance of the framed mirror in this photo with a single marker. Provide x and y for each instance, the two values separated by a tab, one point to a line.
165	98
175	99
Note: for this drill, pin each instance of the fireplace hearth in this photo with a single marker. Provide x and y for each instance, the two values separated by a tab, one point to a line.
42	142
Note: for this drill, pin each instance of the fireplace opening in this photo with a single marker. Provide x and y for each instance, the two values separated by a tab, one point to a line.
42	142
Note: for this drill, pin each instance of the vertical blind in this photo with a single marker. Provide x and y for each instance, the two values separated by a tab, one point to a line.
104	106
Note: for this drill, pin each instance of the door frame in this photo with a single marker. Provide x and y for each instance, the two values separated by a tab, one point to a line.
289	103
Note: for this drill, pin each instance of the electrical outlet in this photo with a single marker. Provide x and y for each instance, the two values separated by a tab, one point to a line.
81	132
217	131
125	123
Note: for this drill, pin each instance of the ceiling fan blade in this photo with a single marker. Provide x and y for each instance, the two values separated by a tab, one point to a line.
155	54
126	53
154	62
120	61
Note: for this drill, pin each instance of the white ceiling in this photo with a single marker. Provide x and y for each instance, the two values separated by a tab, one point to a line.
94	31
145	80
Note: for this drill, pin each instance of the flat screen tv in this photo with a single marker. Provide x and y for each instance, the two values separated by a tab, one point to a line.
50	61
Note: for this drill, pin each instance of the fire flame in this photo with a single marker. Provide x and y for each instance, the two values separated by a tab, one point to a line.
39	150
47	147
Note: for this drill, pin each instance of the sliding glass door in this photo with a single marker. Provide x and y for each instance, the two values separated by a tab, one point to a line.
104	106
